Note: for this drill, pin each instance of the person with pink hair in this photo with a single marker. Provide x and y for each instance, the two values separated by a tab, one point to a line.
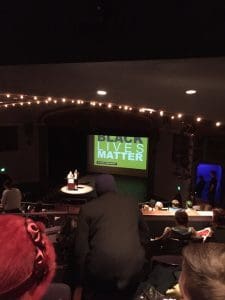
27	259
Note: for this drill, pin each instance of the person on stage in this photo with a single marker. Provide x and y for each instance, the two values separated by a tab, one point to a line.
200	187
212	188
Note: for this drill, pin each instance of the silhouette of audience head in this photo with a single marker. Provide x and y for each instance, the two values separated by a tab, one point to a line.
203	272
218	217
27	259
8	183
181	217
105	183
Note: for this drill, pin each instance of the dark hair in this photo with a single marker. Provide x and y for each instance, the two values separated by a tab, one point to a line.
8	182
219	216
204	272
181	217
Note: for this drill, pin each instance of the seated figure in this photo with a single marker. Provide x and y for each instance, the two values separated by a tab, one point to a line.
11	197
181	230
218	226
27	259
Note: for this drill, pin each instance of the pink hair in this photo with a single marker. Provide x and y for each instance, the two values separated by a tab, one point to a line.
17	256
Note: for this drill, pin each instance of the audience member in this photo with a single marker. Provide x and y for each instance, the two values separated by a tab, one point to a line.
218	226
11	197
108	250
203	272
27	259
181	229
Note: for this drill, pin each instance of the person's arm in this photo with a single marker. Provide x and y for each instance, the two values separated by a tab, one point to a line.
81	246
166	234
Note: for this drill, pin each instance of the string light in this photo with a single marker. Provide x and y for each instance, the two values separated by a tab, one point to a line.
28	100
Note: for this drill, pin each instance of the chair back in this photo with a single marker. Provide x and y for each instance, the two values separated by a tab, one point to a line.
58	291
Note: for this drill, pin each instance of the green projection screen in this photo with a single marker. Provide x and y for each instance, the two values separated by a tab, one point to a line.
119	154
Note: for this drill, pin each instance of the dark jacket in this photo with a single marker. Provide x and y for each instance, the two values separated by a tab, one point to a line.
108	243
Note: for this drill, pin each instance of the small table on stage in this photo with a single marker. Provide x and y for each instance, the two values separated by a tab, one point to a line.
82	190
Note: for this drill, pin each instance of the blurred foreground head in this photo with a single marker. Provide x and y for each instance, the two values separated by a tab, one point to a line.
203	272
105	183
27	259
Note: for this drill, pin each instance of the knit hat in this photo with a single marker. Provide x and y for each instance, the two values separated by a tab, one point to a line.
105	183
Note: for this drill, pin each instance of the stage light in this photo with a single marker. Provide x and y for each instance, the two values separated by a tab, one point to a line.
63	100
8	95
130	108
190	92
55	101
21	97
218	124
49	99
161	113
21	103
125	107
179	116
101	92
99	104
198	119
35	97
172	117
2	170
29	103
109	105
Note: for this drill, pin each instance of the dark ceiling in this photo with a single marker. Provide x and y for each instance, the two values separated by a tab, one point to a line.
103	30
159	49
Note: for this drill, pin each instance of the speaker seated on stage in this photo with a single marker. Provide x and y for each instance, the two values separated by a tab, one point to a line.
181	230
